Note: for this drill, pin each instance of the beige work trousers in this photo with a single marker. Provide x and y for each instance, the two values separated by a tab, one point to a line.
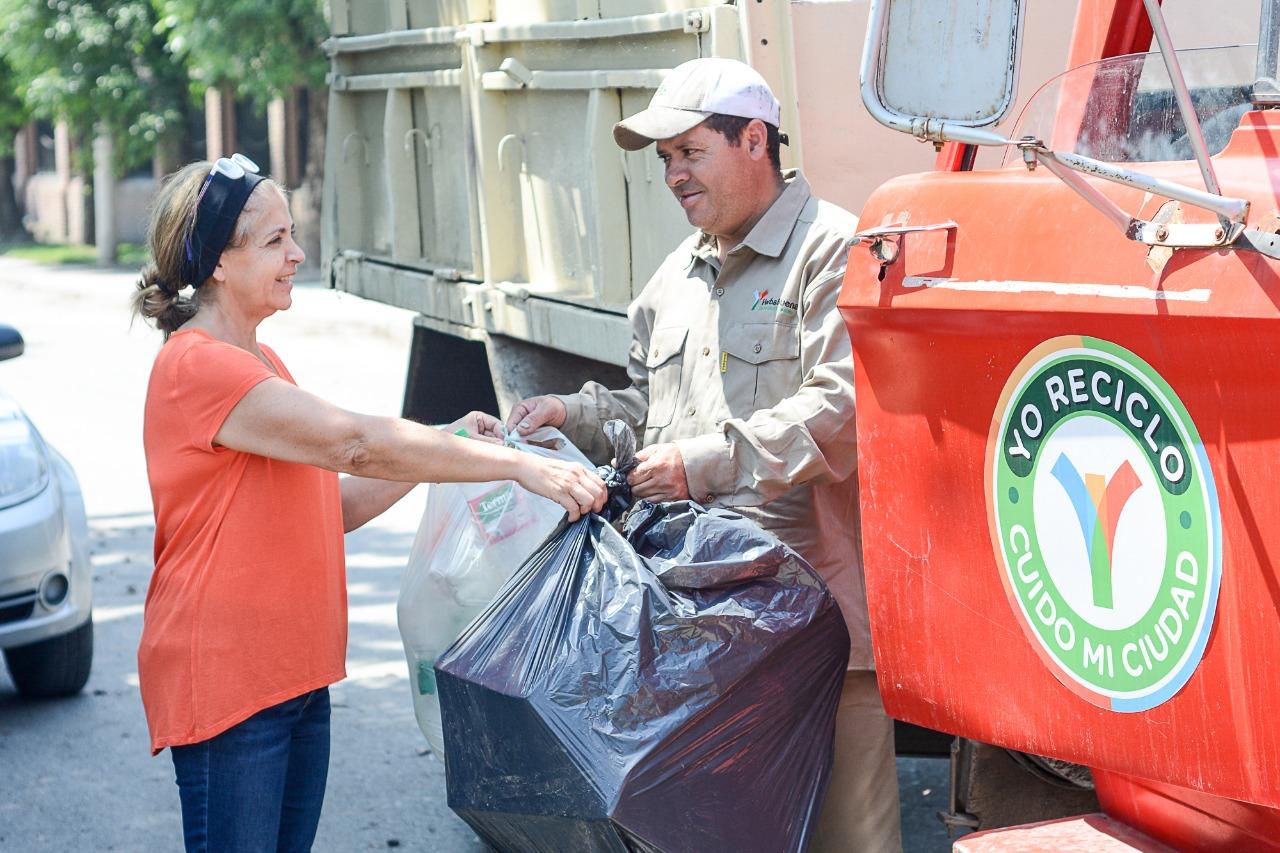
860	814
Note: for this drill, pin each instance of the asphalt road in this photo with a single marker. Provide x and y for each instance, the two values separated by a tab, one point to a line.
77	774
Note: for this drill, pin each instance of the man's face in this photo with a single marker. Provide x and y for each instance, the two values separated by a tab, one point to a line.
716	183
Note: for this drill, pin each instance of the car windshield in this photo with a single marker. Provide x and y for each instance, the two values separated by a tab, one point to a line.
1122	109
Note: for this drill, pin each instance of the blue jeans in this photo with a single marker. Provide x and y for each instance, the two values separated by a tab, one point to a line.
259	785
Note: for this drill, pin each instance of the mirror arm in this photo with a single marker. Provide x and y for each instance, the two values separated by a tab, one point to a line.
927	129
1088	191
1266	86
871	67
943	132
1186	107
1233	210
1069	167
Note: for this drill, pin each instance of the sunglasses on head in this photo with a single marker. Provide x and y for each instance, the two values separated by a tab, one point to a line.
234	166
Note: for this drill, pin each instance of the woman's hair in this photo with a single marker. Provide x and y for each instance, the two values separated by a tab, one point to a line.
158	297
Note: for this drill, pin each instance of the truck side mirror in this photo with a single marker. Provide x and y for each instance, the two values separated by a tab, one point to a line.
11	344
935	69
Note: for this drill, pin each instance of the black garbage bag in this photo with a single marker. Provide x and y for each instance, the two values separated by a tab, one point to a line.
669	687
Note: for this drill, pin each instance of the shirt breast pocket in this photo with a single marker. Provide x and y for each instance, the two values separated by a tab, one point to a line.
664	362
772	355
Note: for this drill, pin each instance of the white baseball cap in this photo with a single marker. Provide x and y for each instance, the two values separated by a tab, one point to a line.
691	93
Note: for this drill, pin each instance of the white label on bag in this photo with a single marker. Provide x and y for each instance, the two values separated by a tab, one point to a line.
501	512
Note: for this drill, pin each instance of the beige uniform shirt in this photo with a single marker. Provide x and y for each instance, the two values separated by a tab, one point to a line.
747	368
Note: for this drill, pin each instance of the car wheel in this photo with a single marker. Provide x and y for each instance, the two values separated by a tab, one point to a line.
58	666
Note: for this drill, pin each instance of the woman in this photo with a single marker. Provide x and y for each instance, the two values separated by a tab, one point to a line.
245	623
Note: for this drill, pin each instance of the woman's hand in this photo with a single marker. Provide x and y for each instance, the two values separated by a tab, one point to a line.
478	425
575	488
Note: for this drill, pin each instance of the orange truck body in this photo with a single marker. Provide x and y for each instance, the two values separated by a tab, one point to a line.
948	340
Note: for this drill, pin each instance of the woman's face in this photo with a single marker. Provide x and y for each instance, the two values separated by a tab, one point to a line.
257	278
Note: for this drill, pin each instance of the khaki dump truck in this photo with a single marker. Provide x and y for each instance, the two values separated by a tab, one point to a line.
472	175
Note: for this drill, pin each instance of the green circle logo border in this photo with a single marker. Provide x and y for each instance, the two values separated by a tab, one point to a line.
1031	367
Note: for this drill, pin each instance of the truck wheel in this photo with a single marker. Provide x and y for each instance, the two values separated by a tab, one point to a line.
58	666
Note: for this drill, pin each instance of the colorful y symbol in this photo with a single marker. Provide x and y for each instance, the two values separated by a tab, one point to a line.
1098	505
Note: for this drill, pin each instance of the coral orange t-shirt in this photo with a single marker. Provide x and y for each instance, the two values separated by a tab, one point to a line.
247	606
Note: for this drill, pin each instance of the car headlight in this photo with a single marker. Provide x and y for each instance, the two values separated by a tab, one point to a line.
24	463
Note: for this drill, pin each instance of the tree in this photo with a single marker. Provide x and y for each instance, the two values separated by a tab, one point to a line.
100	66
264	48
276	51
13	116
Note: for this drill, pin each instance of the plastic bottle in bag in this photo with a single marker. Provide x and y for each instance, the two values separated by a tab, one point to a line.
473	536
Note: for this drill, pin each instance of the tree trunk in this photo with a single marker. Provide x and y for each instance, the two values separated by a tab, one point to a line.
11	230
170	155
306	199
82	195
104	198
86	202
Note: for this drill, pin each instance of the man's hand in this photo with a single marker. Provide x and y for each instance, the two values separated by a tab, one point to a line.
478	425
660	475
531	413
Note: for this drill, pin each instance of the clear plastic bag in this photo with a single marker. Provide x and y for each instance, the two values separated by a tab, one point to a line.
473	536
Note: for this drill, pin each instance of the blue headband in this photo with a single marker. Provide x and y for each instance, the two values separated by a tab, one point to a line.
225	192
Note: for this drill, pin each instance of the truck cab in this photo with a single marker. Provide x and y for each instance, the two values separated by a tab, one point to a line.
1067	386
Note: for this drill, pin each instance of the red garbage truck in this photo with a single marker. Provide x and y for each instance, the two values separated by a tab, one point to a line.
1068	413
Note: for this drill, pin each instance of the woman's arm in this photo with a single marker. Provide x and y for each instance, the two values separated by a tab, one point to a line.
281	421
364	499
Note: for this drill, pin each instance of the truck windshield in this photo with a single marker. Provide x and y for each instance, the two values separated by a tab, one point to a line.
1122	109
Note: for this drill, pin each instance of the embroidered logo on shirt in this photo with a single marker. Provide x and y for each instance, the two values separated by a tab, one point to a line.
773	304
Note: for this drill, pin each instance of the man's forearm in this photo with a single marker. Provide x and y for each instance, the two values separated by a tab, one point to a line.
587	412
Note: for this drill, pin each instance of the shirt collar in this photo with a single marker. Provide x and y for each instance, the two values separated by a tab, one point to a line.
768	236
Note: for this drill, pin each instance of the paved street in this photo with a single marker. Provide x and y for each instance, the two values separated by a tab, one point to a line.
77	773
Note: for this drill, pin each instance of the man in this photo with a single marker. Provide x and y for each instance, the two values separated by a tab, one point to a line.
742	382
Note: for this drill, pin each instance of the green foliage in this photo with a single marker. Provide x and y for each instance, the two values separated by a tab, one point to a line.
13	110
133	67
262	47
97	63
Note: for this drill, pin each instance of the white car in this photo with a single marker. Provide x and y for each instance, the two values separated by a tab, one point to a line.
46	585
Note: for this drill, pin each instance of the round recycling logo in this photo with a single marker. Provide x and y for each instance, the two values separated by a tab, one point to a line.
1105	521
